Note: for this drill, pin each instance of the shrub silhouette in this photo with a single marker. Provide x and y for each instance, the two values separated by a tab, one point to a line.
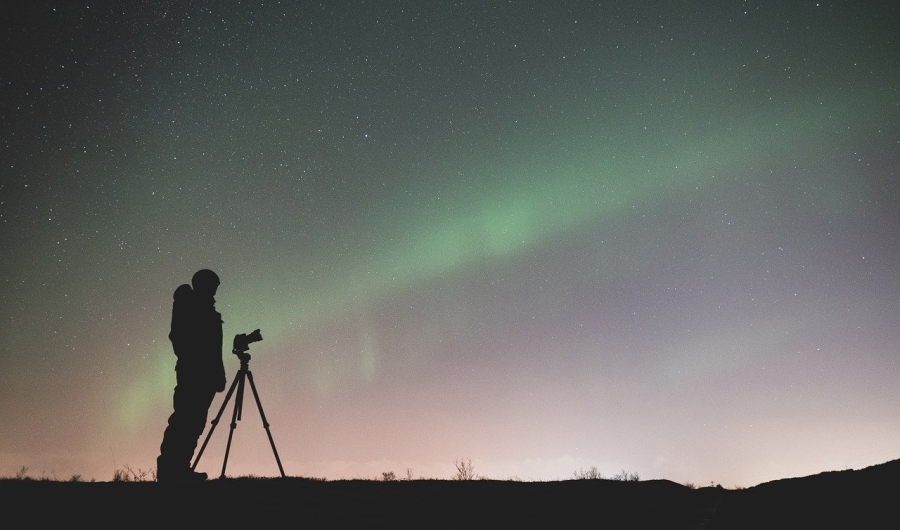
464	469
131	475
588	474
625	476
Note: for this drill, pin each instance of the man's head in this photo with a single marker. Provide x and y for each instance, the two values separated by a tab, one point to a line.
205	282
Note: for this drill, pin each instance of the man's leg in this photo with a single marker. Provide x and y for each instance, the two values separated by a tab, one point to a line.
199	411
186	424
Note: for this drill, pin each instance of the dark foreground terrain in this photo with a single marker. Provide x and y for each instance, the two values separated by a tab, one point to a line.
863	498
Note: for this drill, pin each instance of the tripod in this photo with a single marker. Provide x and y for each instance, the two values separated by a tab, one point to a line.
243	374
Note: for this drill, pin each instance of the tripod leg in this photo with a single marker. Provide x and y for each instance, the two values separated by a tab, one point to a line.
215	420
265	423
235	416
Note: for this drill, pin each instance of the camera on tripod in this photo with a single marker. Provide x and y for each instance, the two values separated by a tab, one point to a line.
242	342
240	346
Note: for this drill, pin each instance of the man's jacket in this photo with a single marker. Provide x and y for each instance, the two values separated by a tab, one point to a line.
196	335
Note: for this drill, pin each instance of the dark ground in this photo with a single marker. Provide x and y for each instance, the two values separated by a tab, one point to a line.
845	499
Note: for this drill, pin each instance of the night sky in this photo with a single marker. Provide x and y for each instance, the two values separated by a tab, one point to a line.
659	237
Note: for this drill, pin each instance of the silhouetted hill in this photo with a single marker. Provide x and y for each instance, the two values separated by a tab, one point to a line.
843	499
861	498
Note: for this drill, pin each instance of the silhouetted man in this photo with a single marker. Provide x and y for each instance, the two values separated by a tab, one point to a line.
196	335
